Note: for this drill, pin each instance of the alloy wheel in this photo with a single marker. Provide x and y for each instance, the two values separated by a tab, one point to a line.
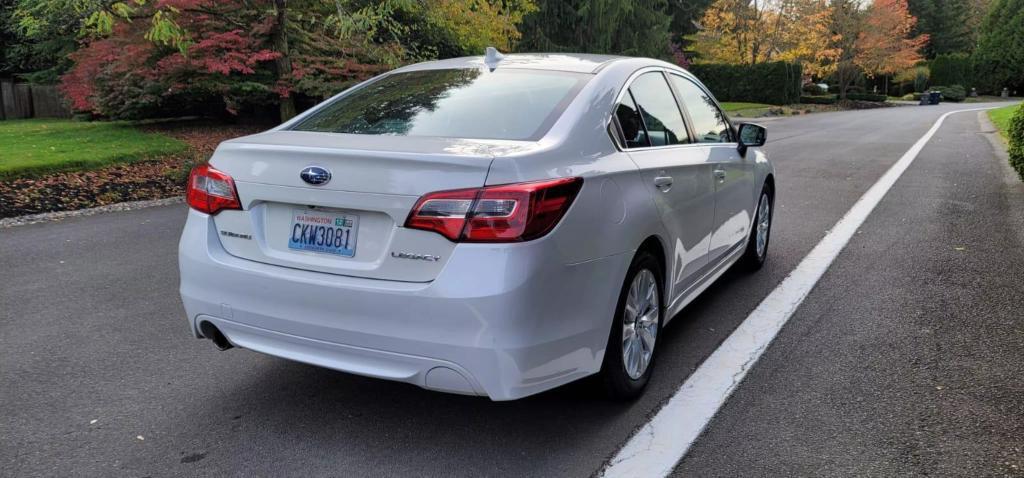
764	219
640	319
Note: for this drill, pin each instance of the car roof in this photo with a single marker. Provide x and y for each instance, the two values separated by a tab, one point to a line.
573	62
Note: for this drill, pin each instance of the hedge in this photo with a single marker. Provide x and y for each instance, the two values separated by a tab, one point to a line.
866	97
776	83
952	69
1016	134
955	93
818	99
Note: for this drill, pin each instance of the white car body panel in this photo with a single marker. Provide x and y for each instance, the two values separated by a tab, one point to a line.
500	320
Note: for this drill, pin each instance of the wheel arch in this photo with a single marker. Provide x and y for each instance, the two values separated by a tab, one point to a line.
654	245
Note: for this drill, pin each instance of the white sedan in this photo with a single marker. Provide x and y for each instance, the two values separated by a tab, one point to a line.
496	225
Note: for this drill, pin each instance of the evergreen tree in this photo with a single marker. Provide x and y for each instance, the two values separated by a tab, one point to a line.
999	58
945	23
623	27
686	15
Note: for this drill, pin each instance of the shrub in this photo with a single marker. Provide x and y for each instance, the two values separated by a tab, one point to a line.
818	99
813	89
1016	136
921	78
952	69
955	93
776	83
866	97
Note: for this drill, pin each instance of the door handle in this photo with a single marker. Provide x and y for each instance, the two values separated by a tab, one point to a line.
719	173
664	183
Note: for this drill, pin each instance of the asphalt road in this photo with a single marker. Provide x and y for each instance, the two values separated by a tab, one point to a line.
905	359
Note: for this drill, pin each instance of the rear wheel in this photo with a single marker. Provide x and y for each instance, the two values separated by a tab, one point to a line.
757	244
629	356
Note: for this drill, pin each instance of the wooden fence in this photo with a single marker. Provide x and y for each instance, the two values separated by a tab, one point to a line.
22	100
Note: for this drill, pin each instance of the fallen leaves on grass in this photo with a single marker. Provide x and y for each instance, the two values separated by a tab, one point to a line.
118	183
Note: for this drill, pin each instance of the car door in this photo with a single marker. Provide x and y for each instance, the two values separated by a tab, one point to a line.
733	174
679	181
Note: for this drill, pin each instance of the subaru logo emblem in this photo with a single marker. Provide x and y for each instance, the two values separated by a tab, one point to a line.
315	175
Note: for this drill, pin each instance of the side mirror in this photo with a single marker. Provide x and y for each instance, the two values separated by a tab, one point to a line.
751	136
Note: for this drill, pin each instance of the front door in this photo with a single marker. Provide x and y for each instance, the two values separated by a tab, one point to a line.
733	174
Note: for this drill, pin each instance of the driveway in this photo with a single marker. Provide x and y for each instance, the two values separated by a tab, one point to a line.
904	359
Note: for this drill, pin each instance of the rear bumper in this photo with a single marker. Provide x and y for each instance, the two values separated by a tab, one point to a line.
505	321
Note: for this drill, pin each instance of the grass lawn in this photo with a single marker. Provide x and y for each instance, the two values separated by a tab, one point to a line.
729	107
745	110
39	146
1001	117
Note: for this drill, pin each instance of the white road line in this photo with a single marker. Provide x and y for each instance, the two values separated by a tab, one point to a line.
656	448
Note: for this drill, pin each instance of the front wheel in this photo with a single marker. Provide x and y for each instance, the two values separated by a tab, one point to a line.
757	244
629	356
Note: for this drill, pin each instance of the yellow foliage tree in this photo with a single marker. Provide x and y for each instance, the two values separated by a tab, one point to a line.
756	31
477	24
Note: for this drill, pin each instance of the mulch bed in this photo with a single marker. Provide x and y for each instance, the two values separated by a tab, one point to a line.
137	181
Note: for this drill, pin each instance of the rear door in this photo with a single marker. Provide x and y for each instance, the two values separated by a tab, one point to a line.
733	174
678	179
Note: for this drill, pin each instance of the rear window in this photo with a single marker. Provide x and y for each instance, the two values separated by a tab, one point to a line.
458	103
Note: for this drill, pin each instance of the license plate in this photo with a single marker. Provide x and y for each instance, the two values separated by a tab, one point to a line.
325	232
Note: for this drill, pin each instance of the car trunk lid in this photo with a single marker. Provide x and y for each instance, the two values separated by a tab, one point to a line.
375	181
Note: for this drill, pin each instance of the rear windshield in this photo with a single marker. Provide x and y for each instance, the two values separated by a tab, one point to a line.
456	103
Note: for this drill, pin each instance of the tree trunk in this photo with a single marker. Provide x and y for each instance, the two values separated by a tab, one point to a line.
283	65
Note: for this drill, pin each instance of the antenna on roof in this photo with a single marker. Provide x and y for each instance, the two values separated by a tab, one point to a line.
492	57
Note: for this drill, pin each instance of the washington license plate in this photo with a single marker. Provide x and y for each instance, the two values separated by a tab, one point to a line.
325	232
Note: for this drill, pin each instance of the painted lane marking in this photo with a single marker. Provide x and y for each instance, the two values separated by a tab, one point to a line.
656	448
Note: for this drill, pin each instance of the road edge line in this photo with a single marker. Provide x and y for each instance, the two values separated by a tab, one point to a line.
659	445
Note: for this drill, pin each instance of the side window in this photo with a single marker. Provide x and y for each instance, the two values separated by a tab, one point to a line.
658	109
709	122
630	122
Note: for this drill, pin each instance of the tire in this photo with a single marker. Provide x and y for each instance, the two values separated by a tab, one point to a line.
754	256
625	379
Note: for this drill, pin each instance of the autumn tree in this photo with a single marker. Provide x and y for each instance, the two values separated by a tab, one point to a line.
757	31
255	52
884	45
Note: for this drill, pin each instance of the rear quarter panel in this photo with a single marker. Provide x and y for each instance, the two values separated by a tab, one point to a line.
614	212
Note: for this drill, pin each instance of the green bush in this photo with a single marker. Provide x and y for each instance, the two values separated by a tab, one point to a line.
813	89
818	99
952	69
921	77
1016	135
776	83
955	93
866	97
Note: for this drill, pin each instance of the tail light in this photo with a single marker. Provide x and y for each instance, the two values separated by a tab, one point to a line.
504	213
211	191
